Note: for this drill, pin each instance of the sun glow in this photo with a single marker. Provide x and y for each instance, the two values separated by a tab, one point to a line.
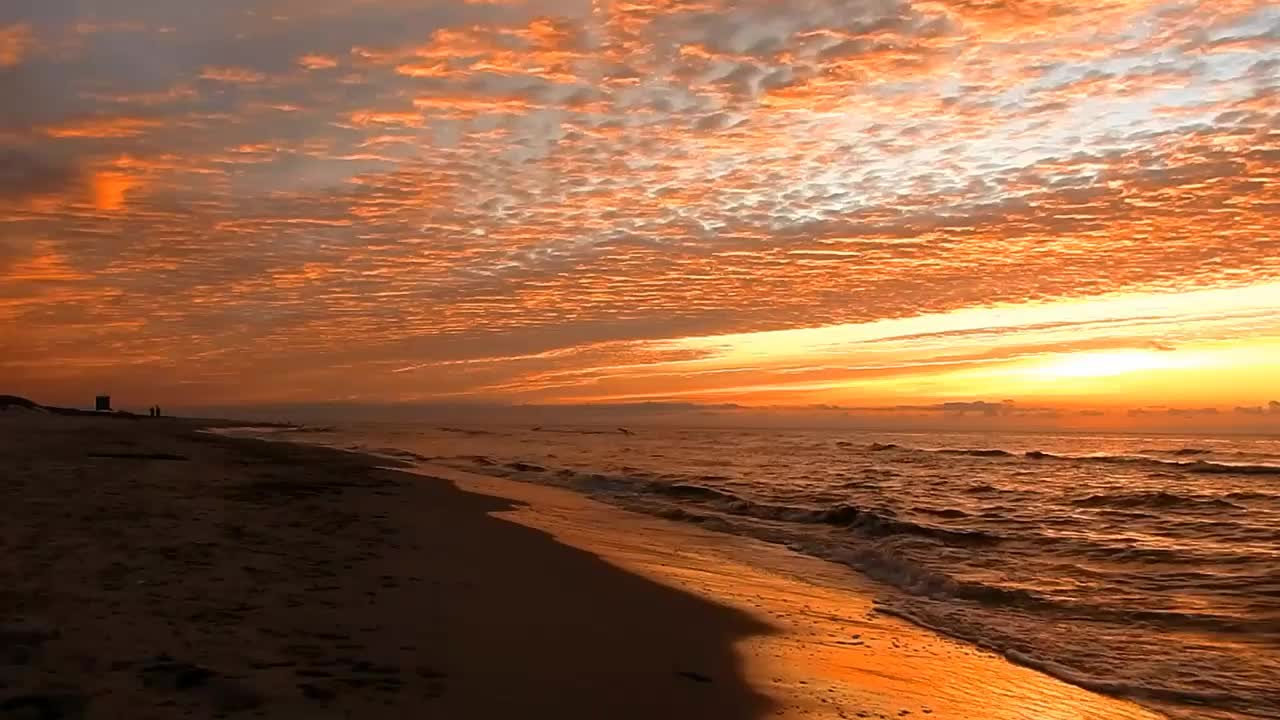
1111	363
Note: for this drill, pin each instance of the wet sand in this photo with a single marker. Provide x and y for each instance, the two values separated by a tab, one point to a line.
151	571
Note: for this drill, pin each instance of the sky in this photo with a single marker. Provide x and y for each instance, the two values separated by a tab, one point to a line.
1029	210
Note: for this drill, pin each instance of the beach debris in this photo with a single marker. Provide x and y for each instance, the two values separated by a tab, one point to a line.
139	456
17	655
44	706
26	633
317	692
229	696
19	641
226	695
166	673
272	664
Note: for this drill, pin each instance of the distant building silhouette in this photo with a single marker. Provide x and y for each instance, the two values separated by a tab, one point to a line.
102	403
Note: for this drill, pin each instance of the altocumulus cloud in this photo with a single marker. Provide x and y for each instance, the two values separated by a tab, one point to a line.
325	188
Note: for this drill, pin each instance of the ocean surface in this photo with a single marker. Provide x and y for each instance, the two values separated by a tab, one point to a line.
1141	567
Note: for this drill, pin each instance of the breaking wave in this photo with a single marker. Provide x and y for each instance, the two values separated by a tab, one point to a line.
1155	500
1193	466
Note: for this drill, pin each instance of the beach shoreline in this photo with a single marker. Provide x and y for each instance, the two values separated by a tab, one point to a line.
154	570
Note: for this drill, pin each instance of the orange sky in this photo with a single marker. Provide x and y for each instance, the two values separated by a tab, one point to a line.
884	206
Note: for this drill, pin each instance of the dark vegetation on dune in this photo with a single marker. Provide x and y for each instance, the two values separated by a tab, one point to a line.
8	402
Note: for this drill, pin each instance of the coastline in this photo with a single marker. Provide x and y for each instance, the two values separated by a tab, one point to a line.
181	572
829	652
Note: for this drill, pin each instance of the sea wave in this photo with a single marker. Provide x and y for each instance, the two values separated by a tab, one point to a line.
719	507
1191	466
982	452
1161	500
864	521
868	522
1100	680
1100	683
1069	553
874	527
889	567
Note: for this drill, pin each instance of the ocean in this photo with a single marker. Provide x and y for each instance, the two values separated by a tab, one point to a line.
1145	567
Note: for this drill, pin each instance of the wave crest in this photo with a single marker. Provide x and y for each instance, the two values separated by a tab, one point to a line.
1198	466
1159	499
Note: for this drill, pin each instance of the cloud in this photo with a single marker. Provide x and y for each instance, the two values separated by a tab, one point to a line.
1192	412
15	42
1272	408
102	127
961	409
984	408
317	185
26	172
318	62
1175	412
231	75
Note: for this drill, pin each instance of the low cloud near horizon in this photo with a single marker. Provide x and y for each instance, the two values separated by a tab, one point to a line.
973	415
1272	408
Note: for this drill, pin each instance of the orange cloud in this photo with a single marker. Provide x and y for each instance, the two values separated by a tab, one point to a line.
486	104
231	74
110	189
317	62
403	118
15	42
102	127
44	264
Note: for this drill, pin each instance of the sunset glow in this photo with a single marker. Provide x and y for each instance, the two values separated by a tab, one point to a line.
869	206
1108	364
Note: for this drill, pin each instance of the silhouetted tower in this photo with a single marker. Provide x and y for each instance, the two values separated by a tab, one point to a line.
102	403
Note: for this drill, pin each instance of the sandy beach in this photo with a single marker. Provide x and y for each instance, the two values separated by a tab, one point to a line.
150	570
